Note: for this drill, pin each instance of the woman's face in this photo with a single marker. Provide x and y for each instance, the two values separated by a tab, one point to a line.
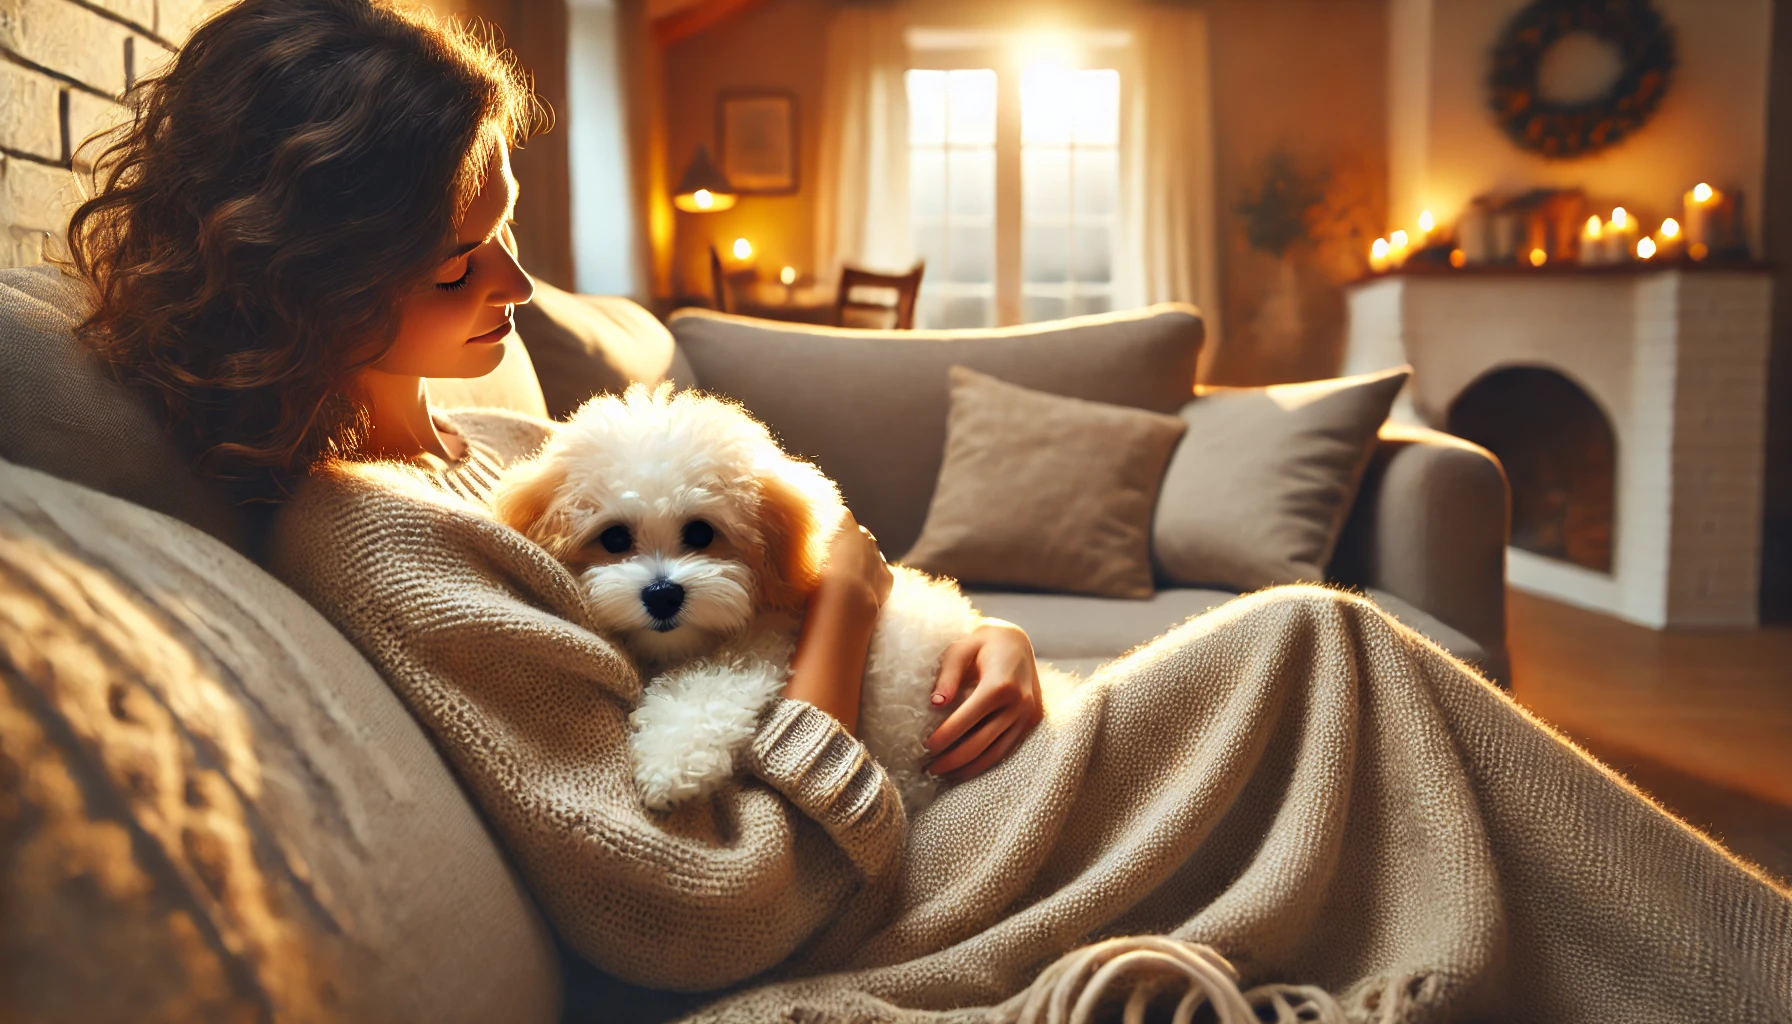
455	325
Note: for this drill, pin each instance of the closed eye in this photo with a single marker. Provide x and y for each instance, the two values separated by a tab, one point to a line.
458	283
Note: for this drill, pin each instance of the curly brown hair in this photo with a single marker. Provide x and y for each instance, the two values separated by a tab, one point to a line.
298	168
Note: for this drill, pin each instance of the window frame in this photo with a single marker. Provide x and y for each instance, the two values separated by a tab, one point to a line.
1001	52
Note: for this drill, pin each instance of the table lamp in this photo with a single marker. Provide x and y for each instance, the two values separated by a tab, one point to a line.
704	188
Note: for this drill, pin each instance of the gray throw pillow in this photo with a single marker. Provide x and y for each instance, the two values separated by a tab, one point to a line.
584	345
1263	481
869	407
1045	492
60	412
212	807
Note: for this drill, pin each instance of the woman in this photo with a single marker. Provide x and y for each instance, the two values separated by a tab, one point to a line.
311	214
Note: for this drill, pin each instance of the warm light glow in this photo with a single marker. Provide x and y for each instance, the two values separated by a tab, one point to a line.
1645	248
1698	250
787	276
1379	250
1620	218
1702	192
1397	240
1539	257
1458	258
1670	228
704	198
1594	229
1426	221
1048	51
743	249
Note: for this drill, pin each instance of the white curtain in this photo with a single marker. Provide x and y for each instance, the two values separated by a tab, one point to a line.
1168	248
861	214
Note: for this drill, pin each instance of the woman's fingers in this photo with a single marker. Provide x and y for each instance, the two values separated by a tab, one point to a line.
984	700
955	664
974	743
993	754
853	557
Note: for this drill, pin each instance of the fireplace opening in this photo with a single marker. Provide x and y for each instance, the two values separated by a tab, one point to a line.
1560	458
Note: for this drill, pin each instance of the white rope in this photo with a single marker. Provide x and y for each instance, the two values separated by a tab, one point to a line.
1074	986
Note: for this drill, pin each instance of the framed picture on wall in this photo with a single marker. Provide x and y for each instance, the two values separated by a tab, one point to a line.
756	133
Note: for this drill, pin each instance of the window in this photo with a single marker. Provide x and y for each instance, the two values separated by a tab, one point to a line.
1014	180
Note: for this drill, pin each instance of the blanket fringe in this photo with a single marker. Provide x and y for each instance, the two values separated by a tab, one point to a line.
1070	990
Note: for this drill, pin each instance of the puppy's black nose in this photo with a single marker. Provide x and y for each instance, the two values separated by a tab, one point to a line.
663	598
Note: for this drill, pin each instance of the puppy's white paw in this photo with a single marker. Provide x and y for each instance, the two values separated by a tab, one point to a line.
692	723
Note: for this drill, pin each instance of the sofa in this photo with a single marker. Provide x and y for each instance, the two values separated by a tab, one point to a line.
211	807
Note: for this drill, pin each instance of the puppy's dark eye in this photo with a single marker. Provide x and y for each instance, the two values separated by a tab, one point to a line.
616	539
698	534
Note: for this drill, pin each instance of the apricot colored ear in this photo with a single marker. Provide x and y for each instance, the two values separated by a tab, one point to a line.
524	496
798	509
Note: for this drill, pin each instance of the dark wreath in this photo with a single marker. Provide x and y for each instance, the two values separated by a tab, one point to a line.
1564	131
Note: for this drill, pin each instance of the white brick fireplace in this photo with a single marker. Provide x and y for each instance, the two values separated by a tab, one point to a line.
1675	359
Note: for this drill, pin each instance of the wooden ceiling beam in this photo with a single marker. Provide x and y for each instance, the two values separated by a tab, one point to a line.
691	19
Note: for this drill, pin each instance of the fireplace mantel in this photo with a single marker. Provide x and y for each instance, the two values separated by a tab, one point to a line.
1676	359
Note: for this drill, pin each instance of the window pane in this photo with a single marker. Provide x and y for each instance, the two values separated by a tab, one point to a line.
1099	303
972	100
1097	182
1096	107
926	107
1045	182
1047	102
1094	254
972	189
1035	308
1045	254
971	253
927	184
930	244
965	312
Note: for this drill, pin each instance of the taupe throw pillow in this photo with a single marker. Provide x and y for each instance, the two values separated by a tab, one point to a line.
1045	492
1259	489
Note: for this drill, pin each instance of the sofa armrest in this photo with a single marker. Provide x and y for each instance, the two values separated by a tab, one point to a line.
1430	526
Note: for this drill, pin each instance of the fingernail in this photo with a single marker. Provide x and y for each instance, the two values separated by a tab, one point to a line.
939	698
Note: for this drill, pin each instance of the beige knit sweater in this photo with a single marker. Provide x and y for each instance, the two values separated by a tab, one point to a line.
1295	779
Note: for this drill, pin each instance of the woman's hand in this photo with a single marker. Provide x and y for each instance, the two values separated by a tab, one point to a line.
1003	708
829	663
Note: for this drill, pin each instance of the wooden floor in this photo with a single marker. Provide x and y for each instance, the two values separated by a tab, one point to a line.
1701	720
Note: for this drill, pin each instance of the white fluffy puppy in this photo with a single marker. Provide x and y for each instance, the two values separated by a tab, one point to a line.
698	540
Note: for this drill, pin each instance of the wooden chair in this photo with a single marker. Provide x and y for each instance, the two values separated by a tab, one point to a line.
906	287
718	282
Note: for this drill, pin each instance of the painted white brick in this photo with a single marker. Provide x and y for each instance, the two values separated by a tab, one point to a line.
87	116
138	12
35	202
1677	361
70	40
28	112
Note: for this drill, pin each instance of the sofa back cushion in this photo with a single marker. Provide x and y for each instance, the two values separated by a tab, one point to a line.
215	809
61	413
585	345
869	407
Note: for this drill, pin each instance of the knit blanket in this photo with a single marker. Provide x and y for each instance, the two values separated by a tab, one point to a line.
1328	799
1296	781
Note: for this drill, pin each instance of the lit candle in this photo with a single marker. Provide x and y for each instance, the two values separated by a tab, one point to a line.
1645	248
743	249
1619	231
1667	240
787	276
1539	257
1397	243
1426	223
1700	202
1378	256
1592	242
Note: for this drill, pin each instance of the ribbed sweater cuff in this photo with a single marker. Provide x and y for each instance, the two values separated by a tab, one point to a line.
805	753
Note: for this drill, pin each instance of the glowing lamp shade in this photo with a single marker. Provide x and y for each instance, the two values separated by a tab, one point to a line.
743	249
704	188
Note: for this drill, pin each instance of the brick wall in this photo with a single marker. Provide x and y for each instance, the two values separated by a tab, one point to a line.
65	64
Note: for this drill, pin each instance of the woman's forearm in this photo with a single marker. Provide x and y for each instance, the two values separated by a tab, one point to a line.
830	655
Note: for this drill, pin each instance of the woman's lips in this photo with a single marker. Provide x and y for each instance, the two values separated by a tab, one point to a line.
498	333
